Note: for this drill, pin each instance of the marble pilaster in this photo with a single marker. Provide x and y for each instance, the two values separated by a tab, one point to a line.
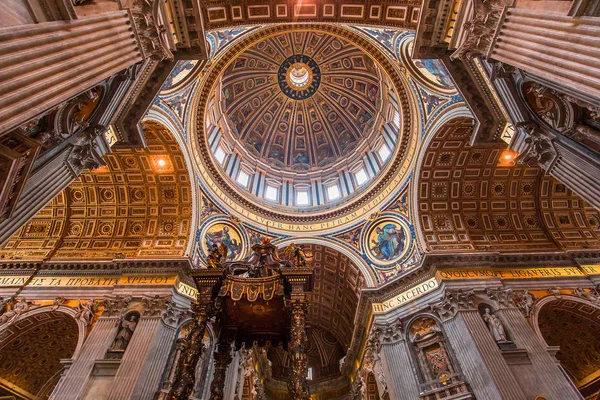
66	58
155	362
74	382
543	375
552	46
395	361
131	363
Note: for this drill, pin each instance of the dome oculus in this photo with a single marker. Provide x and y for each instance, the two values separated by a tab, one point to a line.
299	77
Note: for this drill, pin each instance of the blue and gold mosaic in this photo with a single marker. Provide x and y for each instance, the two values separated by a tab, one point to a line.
299	77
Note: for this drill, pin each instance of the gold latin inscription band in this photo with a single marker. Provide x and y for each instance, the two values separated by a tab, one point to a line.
103	281
407	296
514	273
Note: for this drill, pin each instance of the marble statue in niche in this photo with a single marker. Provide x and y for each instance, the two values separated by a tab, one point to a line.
495	326
124	333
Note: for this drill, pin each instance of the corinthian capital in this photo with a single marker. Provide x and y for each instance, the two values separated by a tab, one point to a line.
452	302
154	306
502	296
150	33
540	150
115	306
480	30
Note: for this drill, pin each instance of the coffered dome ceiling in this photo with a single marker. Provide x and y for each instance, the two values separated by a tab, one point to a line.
302	101
303	127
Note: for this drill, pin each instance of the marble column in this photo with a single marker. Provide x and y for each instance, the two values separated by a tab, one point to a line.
65	58
555	47
74	382
544	376
222	360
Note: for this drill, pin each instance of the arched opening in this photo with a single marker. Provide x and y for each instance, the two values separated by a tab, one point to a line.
472	198
333	304
31	351
574	328
139	205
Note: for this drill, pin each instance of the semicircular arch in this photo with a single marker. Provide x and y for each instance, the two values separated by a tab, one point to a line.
139	205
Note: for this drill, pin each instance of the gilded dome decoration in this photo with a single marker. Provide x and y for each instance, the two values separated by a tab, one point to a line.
303	124
299	77
301	111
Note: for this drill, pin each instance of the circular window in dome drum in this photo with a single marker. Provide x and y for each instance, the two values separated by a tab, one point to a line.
299	77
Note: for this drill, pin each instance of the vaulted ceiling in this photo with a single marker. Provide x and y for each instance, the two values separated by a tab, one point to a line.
138	205
295	129
575	327
471	199
31	350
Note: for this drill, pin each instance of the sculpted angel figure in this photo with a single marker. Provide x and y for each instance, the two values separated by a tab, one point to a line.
19	308
298	255
85	311
526	302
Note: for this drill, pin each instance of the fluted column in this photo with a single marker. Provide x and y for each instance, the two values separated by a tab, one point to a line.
480	358
94	348
185	375
223	358
52	178
396	364
65	58
297	383
45	184
578	171
557	48
155	363
548	379
132	361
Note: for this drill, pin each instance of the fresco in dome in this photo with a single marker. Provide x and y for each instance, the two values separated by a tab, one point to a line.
384	37
226	234
435	71
308	110
387	241
218	39
181	70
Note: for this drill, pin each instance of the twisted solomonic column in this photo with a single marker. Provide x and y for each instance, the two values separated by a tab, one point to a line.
298	384
185	375
222	360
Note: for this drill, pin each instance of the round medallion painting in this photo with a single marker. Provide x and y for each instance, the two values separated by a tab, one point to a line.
221	232
387	240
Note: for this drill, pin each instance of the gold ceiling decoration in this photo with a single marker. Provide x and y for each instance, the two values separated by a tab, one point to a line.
387	183
31	350
138	206
467	201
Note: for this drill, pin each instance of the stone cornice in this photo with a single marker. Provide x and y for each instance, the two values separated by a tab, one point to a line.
432	262
56	268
